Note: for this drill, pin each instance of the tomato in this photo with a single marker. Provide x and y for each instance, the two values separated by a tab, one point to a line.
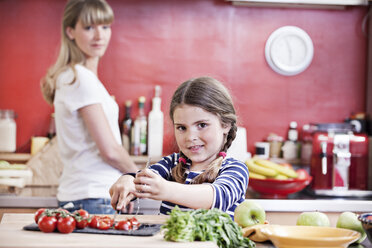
103	225
81	212
101	222
58	212
302	174
123	225
66	224
47	223
38	214
134	223
108	220
82	218
94	221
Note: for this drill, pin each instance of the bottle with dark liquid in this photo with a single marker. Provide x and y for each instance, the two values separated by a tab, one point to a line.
127	125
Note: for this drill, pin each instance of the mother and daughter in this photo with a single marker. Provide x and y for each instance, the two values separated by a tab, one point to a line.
201	110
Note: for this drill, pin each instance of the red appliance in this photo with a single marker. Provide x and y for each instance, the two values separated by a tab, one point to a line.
339	159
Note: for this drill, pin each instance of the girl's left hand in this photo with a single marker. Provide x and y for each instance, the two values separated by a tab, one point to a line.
150	185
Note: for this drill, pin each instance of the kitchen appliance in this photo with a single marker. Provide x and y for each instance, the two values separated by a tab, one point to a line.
339	162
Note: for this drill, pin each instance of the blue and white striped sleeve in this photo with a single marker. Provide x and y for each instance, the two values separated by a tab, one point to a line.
230	185
164	166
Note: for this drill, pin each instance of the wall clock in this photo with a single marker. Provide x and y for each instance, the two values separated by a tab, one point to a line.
289	50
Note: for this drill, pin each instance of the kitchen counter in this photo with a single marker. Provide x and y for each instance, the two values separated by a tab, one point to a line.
13	235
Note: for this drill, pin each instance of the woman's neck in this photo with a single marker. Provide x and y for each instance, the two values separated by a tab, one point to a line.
92	64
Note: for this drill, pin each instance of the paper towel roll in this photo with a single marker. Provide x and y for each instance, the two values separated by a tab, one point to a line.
238	148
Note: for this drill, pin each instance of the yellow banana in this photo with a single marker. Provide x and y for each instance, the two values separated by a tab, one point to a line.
281	177
256	176
277	167
260	169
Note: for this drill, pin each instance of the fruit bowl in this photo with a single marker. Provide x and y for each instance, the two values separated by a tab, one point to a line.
278	188
366	220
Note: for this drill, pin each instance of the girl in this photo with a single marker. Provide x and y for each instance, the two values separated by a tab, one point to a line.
198	176
86	115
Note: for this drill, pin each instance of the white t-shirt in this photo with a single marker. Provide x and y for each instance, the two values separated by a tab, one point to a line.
85	174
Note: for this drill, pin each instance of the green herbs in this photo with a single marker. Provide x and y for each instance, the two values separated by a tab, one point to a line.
205	225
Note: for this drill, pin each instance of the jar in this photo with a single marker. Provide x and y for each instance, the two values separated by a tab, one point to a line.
8	130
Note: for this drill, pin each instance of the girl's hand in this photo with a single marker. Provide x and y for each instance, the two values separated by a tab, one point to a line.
150	185
121	193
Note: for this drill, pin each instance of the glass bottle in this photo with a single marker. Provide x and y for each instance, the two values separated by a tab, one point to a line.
127	125
139	131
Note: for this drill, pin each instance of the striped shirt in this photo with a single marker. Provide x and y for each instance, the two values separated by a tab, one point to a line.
229	187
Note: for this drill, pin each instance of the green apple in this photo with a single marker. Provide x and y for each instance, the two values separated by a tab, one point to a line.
313	219
249	213
349	220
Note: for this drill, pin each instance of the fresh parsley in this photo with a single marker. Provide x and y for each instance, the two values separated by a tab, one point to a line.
205	225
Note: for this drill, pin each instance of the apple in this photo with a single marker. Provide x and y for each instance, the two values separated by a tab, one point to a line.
349	220
313	219
249	213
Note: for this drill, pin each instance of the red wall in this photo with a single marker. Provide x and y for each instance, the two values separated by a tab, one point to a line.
166	42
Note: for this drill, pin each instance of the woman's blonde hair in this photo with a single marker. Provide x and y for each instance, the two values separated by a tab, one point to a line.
212	96
89	12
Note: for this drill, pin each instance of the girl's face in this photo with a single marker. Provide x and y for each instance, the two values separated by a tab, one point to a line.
199	134
92	40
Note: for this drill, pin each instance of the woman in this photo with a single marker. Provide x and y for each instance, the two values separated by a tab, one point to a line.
86	115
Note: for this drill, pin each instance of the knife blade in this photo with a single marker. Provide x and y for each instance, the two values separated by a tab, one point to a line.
116	213
138	203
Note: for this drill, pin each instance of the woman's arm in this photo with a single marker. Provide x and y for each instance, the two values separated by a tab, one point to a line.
98	127
150	185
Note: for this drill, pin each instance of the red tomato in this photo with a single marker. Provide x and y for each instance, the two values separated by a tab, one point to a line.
66	224
58	212
302	174
103	225
38	213
108	220
94	221
82	218
134	222
47	223
123	225
101	222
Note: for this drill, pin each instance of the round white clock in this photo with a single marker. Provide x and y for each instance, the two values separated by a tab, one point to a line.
289	50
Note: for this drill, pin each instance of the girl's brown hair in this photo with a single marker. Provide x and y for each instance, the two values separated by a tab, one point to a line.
89	12
212	96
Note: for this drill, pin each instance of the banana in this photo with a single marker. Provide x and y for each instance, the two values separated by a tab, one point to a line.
274	166
281	177
260	169
256	176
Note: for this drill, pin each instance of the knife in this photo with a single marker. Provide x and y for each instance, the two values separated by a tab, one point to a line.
116	213
138	203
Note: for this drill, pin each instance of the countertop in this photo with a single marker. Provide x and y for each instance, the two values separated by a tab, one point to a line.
13	235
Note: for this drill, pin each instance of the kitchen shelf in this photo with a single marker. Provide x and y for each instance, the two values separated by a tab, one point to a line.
15	157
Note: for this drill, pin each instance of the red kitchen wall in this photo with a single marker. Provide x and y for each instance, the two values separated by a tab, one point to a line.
166	42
